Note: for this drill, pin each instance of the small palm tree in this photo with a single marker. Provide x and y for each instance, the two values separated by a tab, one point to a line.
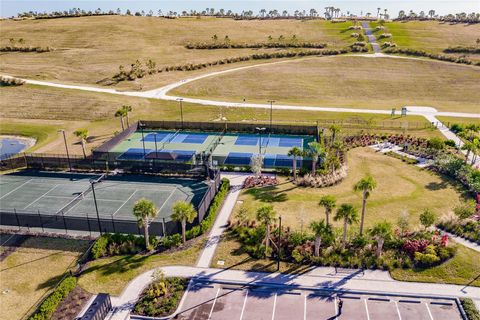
145	211
335	129
366	185
316	152
127	109
183	212
320	229
82	134
380	232
329	203
266	215
120	113
349	215
295	153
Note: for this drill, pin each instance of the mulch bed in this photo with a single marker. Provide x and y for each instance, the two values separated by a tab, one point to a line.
71	306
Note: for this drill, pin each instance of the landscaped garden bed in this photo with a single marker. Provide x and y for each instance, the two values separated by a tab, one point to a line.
161	297
72	305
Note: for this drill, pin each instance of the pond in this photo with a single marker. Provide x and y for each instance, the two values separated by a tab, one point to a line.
11	145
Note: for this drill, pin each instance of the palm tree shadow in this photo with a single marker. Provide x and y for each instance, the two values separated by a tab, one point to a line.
268	194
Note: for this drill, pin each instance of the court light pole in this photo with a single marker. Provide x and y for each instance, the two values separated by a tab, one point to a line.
271	113
143	139
279	241
260	130
180	100
92	182
66	148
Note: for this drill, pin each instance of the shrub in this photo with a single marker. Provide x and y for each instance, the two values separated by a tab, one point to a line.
99	248
421	53
470	309
385	35
450	143
426	259
50	304
10	81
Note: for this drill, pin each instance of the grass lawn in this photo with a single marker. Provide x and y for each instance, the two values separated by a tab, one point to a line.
359	82
400	187
32	270
447	120
94	47
112	274
431	36
463	269
40	111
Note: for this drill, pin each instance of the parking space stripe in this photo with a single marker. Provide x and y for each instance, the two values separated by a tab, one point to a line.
274	305
213	304
366	308
428	309
244	303
398	310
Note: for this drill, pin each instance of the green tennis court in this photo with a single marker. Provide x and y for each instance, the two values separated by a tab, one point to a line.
71	194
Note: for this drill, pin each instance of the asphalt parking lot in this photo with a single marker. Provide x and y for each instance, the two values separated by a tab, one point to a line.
217	301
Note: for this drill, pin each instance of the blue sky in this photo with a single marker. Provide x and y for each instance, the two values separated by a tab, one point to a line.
12	7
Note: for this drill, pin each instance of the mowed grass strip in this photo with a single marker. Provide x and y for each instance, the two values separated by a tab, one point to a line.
400	188
346	81
94	47
32	270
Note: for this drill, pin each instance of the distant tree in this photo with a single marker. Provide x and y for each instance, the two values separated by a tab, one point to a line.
403	221
214	38
378	12
145	211
366	186
431	13
321	230
266	215
329	203
334	129
120	113
427	218
380	232
151	66
316	152
349	215
295	153
183	212
82	134
127	109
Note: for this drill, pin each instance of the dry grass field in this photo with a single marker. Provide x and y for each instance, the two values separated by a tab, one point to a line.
431	36
400	187
32	270
90	49
40	111
359	82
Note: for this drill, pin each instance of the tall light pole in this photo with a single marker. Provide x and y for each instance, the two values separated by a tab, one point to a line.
260	130
181	109
92	182
66	148
271	113
279	241
142	125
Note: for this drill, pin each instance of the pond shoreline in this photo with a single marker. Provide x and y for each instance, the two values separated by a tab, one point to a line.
27	141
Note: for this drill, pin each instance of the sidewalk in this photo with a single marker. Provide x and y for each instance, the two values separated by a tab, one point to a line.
371	37
236	183
465	242
373	281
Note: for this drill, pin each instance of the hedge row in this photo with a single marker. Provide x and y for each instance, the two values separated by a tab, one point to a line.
111	244
7	81
421	53
176	239
461	49
25	49
470	309
132	74
258	45
50	304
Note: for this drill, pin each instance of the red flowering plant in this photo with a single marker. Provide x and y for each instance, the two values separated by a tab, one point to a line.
417	245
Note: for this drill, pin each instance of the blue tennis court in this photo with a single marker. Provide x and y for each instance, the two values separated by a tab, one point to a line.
238	158
269	160
172	155
171	137
134	154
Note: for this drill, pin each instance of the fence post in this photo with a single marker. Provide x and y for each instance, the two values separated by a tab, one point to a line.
163	227
89	228
64	223
41	222
113	224
16	217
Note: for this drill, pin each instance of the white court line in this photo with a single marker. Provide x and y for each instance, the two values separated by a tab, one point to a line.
41	196
398	310
244	303
428	309
213	305
1	245
59	197
6	194
366	308
125	202
171	193
274	305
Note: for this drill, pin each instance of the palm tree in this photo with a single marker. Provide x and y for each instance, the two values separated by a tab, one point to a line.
378	12
316	151
469	147
321	229
266	215
366	185
349	215
380	232
126	110
183	212
145	211
120	113
82	134
329	203
335	129
295	153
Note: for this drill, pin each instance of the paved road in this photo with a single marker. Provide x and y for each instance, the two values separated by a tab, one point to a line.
371	38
